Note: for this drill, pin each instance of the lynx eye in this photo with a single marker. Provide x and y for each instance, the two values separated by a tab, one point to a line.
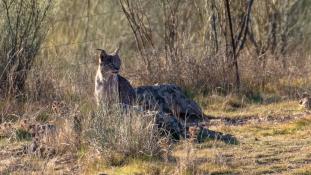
107	61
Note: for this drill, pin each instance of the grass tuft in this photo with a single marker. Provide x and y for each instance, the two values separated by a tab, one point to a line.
121	133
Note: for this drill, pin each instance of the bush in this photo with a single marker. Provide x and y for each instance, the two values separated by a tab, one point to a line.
125	133
23	27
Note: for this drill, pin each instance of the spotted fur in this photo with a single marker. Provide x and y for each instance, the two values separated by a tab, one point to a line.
169	98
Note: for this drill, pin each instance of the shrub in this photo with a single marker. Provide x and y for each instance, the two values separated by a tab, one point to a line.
126	133
23	27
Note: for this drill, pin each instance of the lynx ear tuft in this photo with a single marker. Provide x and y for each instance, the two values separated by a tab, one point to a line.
103	53
116	52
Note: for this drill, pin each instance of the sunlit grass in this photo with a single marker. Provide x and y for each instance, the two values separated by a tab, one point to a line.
132	166
256	110
265	147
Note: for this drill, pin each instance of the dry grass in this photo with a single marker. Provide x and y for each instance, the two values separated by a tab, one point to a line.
128	132
273	138
266	146
57	150
283	108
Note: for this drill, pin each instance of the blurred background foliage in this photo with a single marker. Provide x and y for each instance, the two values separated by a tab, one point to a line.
177	41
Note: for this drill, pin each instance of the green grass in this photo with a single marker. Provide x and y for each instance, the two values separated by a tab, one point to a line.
22	135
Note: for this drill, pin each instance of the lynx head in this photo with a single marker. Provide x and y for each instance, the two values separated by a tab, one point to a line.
109	63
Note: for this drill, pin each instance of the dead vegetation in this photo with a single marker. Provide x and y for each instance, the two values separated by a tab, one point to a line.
127	133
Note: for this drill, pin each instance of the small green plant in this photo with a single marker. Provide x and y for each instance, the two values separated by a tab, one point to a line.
22	135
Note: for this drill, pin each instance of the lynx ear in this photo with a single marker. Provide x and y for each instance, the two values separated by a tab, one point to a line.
102	55
116	52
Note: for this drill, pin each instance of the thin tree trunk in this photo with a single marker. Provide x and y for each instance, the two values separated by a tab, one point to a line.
214	25
235	61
